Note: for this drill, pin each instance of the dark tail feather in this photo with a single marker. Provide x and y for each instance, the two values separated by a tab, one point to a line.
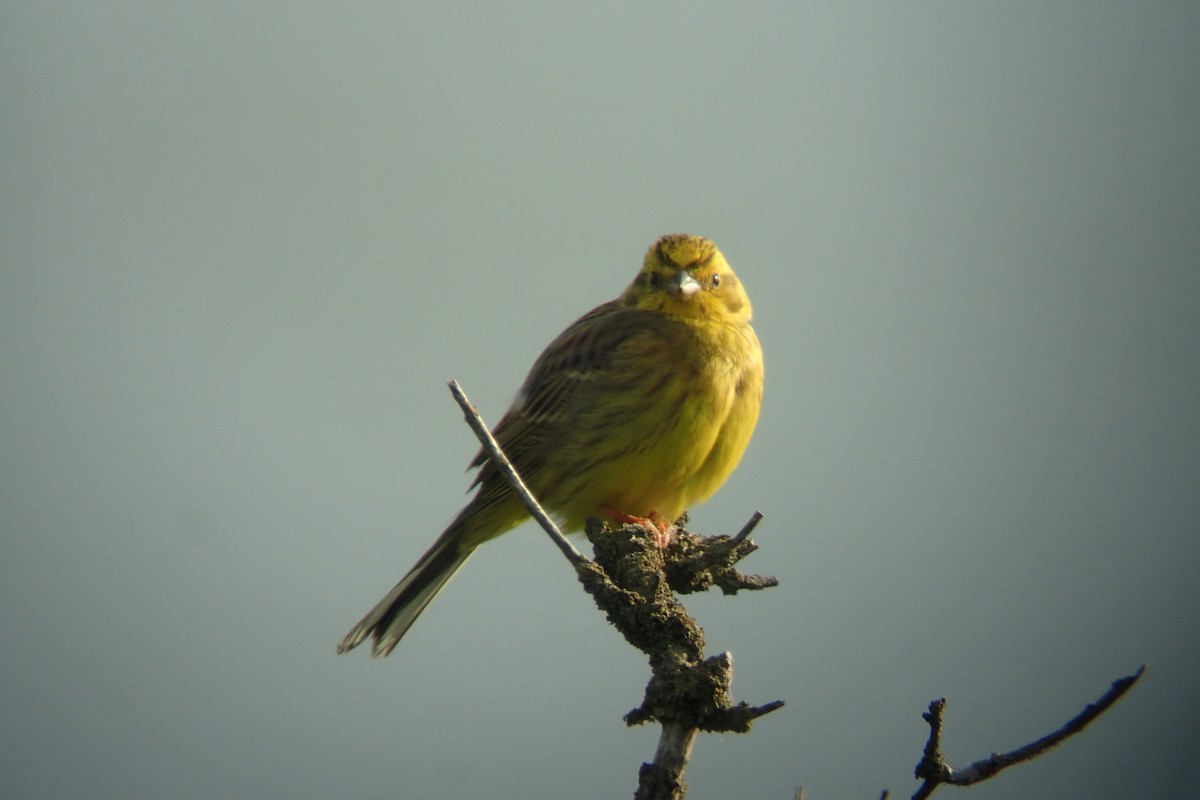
395	614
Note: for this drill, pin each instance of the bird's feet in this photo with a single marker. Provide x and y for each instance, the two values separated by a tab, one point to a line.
663	530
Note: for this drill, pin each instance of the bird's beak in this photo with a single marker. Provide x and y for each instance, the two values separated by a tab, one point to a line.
684	285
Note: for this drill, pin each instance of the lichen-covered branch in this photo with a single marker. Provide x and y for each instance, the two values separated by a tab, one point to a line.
634	581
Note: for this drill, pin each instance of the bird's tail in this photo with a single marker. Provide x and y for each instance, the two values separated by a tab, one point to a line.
391	618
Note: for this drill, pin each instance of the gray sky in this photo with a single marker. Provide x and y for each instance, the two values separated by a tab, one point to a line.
243	245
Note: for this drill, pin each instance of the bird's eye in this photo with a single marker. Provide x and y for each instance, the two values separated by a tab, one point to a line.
655	280
716	281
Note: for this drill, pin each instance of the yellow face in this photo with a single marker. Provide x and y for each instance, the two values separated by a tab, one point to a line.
686	276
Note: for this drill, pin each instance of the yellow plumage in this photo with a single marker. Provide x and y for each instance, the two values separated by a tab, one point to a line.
642	406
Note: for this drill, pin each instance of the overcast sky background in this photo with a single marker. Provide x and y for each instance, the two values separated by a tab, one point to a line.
243	245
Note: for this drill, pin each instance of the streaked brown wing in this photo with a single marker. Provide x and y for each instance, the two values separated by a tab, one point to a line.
581	355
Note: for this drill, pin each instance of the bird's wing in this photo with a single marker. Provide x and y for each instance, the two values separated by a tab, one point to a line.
581	356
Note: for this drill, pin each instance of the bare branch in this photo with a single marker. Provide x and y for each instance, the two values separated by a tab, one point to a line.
744	533
510	473
935	771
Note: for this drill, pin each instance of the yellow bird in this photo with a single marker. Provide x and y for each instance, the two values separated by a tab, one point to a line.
638	409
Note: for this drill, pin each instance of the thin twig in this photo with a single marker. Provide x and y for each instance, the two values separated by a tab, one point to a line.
510	474
935	771
748	527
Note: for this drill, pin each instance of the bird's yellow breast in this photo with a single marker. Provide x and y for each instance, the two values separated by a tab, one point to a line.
683	431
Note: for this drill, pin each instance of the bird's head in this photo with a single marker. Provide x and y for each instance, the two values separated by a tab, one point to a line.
687	277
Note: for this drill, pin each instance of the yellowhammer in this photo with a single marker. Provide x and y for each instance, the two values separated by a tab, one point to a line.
639	408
